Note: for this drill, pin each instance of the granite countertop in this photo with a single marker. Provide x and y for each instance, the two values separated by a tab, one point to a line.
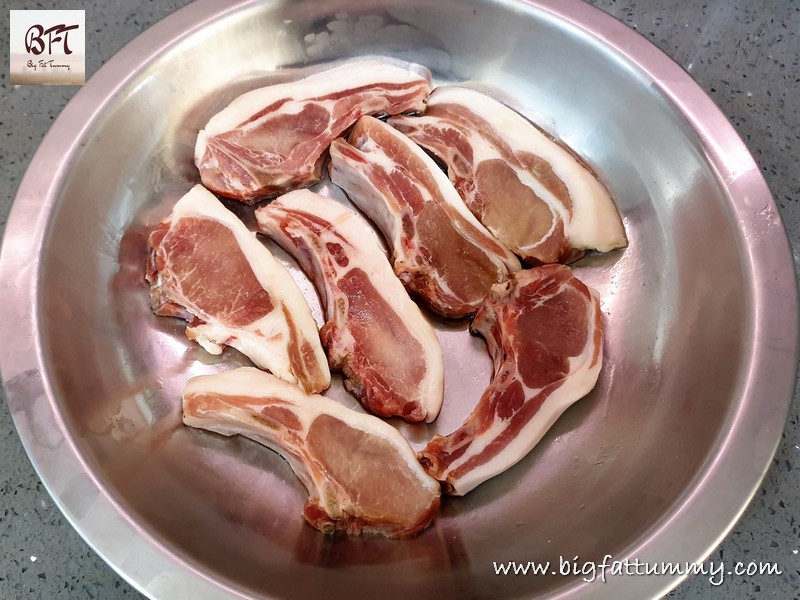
743	54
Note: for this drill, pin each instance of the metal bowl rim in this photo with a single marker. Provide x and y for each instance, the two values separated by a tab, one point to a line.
771	367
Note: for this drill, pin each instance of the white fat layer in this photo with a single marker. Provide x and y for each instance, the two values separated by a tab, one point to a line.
482	151
200	150
582	377
347	76
387	215
453	199
237	420
364	252
361	190
346	173
595	223
265	340
247	382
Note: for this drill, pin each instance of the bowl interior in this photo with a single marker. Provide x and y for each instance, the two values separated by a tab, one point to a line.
606	475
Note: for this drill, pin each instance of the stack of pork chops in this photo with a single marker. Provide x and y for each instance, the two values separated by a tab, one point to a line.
484	240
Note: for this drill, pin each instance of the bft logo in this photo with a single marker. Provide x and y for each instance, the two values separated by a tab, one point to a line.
34	39
47	47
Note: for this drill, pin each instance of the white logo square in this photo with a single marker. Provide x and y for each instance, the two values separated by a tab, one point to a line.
47	47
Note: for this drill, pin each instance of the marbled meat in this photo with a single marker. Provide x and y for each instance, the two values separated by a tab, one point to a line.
360	473
533	193
273	139
375	334
206	267
543	329
439	250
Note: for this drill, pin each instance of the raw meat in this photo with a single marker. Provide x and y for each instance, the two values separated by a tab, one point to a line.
543	329
374	333
440	251
361	474
273	139
206	267
534	194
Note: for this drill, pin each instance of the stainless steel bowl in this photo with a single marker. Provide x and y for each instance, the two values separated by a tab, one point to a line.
656	464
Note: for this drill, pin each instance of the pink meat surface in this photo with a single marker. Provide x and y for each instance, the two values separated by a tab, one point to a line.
207	268
543	329
274	139
360	473
440	251
534	194
374	333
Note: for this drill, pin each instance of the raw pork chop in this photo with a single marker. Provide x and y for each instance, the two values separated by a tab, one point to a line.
273	139
207	268
544	332
374	332
361	474
534	194
440	251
